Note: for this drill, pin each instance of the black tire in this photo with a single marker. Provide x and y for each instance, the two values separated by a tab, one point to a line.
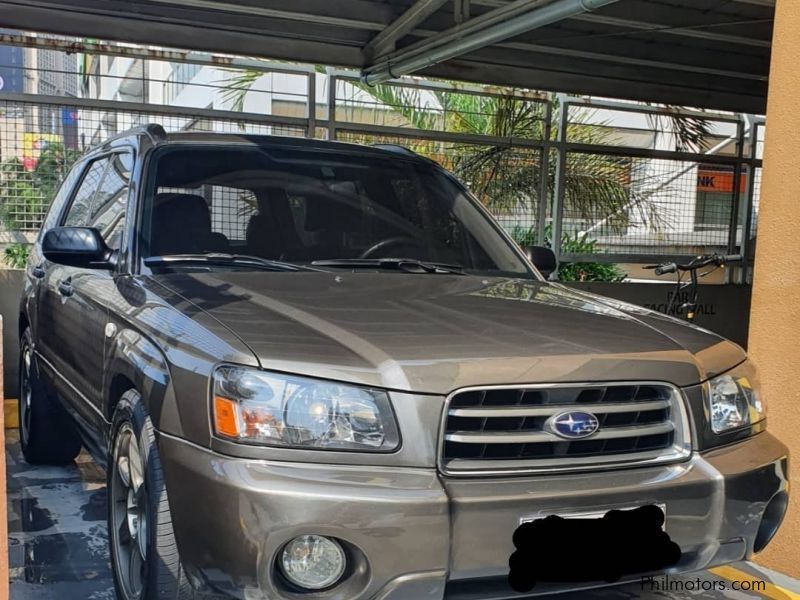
47	434
145	497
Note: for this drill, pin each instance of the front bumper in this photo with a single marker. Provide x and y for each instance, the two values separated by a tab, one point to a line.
413	534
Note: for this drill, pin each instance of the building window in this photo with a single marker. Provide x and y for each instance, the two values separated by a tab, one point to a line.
179	77
713	210
715	192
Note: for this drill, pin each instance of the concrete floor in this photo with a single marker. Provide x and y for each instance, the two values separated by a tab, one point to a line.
58	543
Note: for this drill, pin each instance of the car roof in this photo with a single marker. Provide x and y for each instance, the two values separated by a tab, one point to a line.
157	136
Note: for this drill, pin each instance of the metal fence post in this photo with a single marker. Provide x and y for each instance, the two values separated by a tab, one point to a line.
331	105
544	174
736	199
312	105
560	176
749	199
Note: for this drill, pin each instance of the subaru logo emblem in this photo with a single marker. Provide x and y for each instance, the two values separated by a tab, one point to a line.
573	424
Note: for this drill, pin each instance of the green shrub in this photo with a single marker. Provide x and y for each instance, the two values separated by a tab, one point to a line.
16	255
524	236
572	244
585	271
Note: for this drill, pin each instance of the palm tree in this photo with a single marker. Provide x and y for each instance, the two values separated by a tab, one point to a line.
505	177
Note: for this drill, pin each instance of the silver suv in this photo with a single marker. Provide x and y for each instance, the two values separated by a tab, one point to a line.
322	370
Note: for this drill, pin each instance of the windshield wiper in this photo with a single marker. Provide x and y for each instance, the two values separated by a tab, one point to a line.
409	265
223	258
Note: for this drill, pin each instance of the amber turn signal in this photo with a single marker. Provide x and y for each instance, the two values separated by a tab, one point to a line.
225	417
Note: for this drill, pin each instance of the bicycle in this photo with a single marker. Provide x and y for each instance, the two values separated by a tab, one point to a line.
692	267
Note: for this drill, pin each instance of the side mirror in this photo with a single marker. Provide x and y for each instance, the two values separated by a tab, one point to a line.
543	259
77	247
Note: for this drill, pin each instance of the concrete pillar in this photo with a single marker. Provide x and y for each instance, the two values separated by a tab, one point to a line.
774	341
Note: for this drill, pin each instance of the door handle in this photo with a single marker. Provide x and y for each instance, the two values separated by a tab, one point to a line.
37	271
65	288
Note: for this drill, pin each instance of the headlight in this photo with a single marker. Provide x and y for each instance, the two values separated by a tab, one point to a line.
258	407
735	399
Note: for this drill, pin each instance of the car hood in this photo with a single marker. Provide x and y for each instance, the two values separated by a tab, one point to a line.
437	333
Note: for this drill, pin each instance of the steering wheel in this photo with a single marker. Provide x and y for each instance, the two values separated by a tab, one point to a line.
399	240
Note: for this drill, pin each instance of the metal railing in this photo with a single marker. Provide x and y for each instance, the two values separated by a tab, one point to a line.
599	181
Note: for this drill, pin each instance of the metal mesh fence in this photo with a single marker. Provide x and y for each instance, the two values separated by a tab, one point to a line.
630	186
633	205
650	128
33	160
757	174
437	108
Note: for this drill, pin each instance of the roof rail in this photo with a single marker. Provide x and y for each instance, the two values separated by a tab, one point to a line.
154	131
396	148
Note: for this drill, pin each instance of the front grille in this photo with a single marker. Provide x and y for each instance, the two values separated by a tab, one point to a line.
512	428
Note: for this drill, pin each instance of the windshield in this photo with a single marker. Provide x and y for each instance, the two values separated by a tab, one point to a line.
303	206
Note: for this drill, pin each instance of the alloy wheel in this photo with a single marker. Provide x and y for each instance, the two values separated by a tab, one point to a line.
129	517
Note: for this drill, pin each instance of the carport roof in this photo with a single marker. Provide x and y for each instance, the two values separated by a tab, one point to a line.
704	53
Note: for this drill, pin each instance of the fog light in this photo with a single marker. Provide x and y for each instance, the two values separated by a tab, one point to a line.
313	562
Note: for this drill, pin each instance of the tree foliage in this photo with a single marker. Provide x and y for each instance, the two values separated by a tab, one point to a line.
578	243
507	178
26	194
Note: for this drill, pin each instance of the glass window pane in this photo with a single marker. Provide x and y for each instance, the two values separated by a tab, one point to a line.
57	205
108	208
80	212
303	206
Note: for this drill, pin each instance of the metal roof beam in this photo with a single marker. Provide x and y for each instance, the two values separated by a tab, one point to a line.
490	28
701	34
496	3
291	30
62	44
202	58
120	25
385	41
728	69
631	60
677	90
287	15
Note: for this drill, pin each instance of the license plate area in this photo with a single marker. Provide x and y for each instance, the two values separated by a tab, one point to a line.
589	514
590	545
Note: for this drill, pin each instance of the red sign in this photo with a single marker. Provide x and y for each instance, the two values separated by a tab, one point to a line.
718	181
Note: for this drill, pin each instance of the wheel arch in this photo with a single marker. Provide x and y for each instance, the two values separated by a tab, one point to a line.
134	362
120	383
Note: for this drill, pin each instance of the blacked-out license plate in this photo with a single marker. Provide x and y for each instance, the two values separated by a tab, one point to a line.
593	546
